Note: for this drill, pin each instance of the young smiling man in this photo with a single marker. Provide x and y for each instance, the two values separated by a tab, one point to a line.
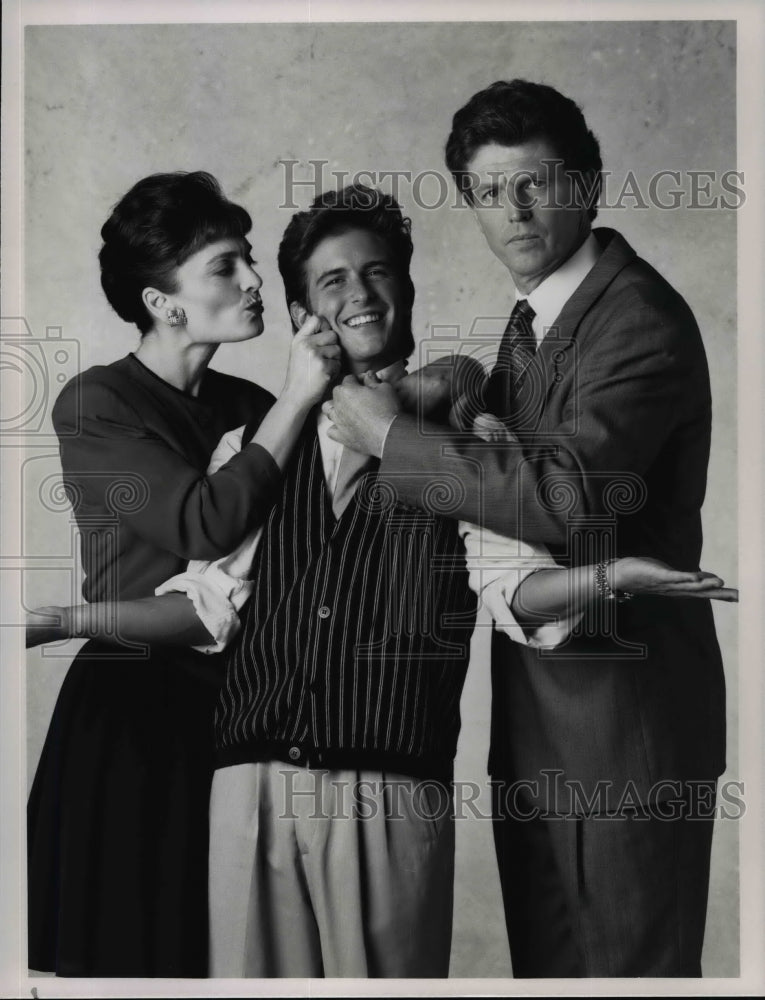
353	282
332	839
618	736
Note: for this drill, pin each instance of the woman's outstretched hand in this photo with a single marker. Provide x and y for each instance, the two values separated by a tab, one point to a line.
642	575
46	625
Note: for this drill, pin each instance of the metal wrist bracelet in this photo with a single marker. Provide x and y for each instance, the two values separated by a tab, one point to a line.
605	592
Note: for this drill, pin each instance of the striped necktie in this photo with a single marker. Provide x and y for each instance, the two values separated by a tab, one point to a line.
516	350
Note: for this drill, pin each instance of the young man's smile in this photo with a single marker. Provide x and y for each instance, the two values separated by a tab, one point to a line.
353	283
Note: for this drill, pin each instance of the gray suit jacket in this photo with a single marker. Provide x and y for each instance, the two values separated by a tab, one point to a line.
619	410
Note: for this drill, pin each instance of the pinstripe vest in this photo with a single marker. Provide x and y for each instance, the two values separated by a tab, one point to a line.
355	642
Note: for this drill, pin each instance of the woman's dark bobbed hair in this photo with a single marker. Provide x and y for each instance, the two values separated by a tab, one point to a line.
162	221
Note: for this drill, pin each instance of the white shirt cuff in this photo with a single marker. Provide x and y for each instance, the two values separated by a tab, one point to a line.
497	566
497	597
216	599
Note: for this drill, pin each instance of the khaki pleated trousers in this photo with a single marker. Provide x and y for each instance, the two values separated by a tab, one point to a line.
317	873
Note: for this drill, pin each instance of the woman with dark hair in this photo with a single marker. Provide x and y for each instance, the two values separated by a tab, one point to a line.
117	818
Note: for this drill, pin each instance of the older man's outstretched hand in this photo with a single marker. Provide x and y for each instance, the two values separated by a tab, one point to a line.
362	414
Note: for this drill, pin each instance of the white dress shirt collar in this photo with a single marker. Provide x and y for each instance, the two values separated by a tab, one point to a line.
548	298
331	452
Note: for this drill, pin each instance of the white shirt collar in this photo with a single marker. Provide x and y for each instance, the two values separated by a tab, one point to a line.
331	451
548	298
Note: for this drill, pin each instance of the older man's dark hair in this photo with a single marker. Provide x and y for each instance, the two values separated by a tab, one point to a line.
333	213
516	112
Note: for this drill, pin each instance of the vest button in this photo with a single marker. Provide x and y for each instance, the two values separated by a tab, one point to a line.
294	753
324	611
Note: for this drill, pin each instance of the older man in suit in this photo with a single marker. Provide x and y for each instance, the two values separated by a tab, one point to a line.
606	750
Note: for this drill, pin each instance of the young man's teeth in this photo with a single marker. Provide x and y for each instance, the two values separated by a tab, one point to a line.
366	318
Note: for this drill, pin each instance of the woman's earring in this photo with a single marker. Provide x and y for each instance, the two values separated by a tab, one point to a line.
176	317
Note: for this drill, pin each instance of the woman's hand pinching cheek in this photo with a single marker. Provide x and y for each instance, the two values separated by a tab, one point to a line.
331	357
324	366
307	323
314	362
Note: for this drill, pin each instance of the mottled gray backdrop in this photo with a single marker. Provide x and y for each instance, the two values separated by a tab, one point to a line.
107	105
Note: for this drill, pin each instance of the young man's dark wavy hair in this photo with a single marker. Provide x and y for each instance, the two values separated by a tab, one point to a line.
333	213
517	111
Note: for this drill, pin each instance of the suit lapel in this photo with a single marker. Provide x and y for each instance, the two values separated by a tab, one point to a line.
555	357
